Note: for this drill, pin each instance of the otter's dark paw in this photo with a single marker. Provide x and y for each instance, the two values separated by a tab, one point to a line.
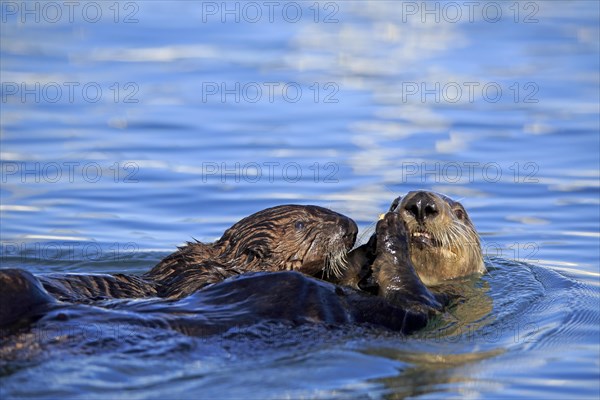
392	236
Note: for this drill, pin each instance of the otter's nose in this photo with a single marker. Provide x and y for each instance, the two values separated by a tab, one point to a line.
422	206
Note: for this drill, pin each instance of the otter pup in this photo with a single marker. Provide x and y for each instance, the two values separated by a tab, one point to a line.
309	239
442	242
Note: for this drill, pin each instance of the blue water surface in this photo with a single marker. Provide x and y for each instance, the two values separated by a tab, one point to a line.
128	128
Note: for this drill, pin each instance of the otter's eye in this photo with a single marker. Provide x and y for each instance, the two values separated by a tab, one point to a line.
460	214
299	225
395	204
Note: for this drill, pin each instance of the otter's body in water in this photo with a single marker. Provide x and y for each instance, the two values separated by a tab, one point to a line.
308	239
387	281
404	304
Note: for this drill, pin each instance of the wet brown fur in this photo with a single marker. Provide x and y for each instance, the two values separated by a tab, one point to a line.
309	239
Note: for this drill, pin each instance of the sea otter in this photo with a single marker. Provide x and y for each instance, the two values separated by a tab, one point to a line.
442	242
309	239
403	303
419	228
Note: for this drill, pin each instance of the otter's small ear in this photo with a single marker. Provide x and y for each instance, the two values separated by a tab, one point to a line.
254	251
250	255
395	203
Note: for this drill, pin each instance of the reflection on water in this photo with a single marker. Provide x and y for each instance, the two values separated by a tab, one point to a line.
502	115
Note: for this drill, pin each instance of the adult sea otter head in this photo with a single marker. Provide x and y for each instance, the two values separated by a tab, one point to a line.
443	242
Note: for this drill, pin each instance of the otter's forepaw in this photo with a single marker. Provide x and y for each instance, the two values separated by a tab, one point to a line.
392	236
